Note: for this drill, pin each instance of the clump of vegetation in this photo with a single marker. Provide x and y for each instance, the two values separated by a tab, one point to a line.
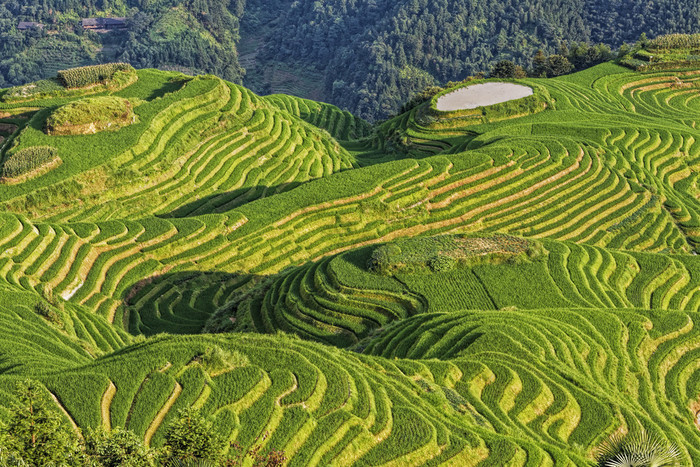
421	97
36	433
91	115
28	160
89	75
75	82
665	52
45	310
638	449
191	438
673	41
217	360
117	448
441	263
445	252
507	69
31	90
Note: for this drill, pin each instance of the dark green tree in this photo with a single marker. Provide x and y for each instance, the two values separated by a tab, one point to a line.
36	431
117	448
191	437
503	69
558	65
539	65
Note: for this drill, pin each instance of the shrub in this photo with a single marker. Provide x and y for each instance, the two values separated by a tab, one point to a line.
215	359
36	432
442	263
28	159
37	88
507	69
116	448
88	75
191	438
45	310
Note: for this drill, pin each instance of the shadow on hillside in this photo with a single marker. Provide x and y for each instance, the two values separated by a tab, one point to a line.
167	88
222	202
179	303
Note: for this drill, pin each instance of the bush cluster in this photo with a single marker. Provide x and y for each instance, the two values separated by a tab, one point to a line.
28	159
36	434
45	310
87	75
442	263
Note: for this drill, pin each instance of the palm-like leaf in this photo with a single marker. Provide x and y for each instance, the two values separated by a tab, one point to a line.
638	449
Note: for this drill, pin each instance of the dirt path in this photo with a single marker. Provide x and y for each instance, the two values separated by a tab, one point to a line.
161	414
107	404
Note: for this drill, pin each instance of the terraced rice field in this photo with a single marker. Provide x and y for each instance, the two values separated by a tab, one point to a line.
254	217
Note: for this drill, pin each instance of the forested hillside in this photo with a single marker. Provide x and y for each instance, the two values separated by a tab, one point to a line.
195	36
366	56
374	54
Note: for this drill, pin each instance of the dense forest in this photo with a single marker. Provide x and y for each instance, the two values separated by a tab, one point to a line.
375	53
192	35
370	56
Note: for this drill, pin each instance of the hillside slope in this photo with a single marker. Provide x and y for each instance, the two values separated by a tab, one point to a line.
509	285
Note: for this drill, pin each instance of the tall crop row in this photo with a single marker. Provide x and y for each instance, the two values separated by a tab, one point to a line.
28	159
87	75
674	41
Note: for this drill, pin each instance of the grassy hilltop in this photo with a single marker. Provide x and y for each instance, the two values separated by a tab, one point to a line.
509	285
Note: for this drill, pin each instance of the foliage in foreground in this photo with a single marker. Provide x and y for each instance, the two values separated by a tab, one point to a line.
36	432
637	449
191	437
117	448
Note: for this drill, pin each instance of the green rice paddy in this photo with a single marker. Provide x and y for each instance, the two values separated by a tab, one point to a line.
538	287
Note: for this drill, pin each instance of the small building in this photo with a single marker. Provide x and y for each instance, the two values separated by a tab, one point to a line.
27	25
104	24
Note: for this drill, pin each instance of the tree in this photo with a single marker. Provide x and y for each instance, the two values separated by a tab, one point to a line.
117	448
558	65
503	69
642	41
191	437
539	65
36	431
623	50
